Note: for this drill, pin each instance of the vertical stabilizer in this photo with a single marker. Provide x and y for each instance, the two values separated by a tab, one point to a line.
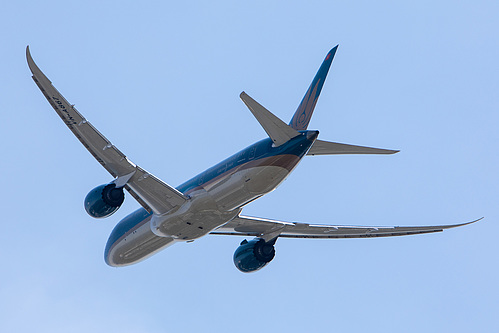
303	114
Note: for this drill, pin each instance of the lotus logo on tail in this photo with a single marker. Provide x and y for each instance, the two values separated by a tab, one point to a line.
303	114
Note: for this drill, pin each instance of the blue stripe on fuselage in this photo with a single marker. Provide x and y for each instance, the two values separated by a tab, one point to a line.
258	150
297	146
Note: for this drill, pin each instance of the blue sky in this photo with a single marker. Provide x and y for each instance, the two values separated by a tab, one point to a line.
162	80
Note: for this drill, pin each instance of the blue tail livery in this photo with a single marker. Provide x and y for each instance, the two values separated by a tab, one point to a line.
303	114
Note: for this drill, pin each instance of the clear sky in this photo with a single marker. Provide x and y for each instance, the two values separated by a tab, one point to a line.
162	80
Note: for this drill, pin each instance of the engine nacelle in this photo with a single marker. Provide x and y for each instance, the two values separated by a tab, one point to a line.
254	255
104	200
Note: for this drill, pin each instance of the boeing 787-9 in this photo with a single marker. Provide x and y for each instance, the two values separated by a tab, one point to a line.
212	202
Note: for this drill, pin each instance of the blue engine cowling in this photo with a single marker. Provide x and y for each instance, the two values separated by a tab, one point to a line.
254	255
104	200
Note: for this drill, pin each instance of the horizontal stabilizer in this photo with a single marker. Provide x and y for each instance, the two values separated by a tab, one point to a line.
331	148
276	129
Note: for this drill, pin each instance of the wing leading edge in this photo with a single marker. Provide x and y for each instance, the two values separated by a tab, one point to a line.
152	193
269	229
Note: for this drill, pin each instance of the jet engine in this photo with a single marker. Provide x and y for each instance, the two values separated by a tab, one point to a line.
254	255
104	200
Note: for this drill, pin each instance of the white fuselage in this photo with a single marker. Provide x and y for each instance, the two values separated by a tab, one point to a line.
212	203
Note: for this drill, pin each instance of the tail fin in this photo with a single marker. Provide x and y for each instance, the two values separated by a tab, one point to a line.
304	112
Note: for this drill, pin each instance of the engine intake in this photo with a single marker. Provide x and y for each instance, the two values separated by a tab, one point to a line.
104	200
254	255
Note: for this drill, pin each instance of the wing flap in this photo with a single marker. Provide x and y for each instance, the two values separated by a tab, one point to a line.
156	194
258	227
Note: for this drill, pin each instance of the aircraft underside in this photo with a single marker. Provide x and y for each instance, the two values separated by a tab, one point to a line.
211	202
206	211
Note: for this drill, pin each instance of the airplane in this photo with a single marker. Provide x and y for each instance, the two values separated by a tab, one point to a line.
212	202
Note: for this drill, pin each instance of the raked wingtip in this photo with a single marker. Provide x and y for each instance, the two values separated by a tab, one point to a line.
467	223
31	63
35	70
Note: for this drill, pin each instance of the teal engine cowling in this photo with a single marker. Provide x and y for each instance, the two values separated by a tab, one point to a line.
254	255
104	200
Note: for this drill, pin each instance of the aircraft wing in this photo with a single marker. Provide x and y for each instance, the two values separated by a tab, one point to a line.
152	193
269	229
